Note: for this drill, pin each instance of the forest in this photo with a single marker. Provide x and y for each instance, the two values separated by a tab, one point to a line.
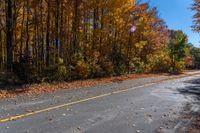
64	40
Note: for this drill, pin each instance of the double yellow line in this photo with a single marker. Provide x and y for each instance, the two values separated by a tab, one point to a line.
88	99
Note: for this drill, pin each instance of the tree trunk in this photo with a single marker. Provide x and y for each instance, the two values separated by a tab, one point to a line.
35	41
75	26
1	51
22	34
61	31
9	34
95	26
57	30
102	27
27	33
47	34
42	30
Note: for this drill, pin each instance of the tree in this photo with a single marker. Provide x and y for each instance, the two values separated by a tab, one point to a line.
177	44
91	38
196	8
195	53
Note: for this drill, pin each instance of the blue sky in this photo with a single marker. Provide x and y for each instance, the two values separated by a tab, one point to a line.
178	15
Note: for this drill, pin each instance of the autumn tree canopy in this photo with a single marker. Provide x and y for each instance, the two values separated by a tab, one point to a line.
73	39
196	9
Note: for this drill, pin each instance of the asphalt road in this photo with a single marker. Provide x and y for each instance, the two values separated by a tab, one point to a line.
134	106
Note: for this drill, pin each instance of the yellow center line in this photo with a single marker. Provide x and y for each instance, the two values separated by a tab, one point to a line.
89	99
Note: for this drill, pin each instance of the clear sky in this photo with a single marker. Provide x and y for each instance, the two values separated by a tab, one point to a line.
178	15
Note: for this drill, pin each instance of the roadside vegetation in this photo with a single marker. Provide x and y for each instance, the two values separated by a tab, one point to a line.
64	40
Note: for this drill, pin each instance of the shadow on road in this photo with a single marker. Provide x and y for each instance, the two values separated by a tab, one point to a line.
190	116
193	89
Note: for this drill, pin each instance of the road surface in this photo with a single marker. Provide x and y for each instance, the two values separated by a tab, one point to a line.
147	105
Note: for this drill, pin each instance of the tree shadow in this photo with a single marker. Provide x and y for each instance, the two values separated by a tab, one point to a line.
173	74
191	110
13	87
192	89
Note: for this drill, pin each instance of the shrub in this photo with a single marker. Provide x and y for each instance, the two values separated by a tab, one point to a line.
57	72
178	67
82	69
120	69
107	67
25	71
96	71
136	65
9	79
140	67
160	62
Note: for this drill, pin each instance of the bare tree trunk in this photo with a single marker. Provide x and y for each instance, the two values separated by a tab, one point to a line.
42	32
95	26
128	52
9	34
35	41
61	31
47	34
27	32
57	29
102	27
22	34
75	26
15	15
1	50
